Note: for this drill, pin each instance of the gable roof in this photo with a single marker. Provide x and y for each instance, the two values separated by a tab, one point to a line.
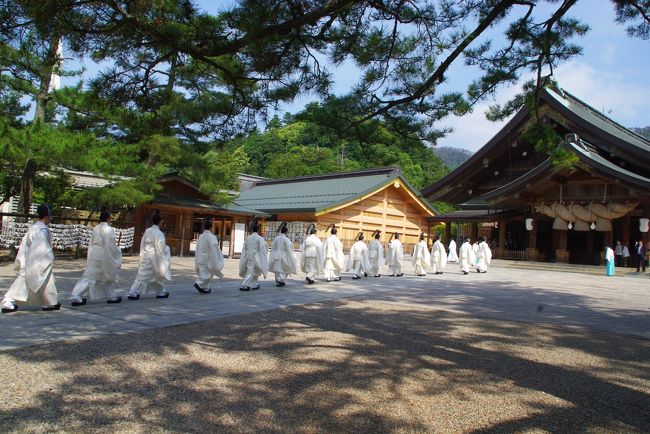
597	129
324	193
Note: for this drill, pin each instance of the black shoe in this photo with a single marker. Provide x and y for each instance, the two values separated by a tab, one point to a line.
116	301
198	288
52	308
134	297
337	279
244	288
400	274
255	287
76	303
310	282
165	295
356	277
465	272
10	310
365	274
391	275
280	283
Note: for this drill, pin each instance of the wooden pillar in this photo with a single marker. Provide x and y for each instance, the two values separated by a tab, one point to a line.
447	232
473	231
560	238
532	254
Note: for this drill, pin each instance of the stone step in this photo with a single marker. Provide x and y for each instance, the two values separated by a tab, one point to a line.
570	268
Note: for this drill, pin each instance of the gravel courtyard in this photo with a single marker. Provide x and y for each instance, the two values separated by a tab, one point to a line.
418	356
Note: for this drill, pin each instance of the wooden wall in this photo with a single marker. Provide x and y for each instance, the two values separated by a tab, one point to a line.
390	210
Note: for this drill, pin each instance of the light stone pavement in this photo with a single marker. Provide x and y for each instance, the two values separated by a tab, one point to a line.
611	304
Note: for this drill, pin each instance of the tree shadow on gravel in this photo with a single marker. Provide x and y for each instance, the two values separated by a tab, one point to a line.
347	366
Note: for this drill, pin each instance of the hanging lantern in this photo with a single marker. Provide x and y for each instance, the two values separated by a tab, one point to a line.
570	225
529	224
643	225
592	225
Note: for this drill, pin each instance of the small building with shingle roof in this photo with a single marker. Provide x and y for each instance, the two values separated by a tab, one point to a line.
364	200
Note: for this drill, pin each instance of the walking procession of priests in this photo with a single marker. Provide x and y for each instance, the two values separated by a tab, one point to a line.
102	266
282	261
34	284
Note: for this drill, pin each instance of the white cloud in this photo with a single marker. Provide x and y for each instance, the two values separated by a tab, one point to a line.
624	100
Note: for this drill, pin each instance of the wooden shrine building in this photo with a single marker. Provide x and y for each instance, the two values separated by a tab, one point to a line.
534	208
364	200
183	208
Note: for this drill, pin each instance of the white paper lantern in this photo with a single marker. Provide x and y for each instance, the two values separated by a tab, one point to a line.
643	224
529	224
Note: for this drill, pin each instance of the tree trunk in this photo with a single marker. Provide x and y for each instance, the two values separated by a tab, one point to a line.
41	99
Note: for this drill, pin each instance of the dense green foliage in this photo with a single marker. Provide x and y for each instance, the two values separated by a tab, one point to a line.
452	157
177	84
645	132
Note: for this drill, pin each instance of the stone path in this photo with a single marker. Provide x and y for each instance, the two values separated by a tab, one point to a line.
612	304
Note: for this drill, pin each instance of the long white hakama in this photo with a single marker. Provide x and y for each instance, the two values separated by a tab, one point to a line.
208	260
334	258
254	260
395	257
358	261
466	257
102	266
438	257
311	260
421	258
34	283
155	264
376	256
483	257
453	256
282	261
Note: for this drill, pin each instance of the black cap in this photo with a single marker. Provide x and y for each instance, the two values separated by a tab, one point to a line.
43	210
282	226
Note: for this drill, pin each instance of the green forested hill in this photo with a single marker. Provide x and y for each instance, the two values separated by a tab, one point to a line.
314	142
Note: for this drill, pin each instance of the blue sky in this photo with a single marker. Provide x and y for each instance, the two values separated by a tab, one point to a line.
611	75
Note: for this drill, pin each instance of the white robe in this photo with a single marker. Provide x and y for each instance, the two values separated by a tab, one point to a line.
475	250
483	257
155	263
102	266
466	257
453	256
34	284
438	257
254	260
208	259
282	261
311	260
421	257
395	256
358	260
334	257
376	256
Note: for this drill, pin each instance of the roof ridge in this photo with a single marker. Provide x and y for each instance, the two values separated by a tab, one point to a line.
374	171
596	112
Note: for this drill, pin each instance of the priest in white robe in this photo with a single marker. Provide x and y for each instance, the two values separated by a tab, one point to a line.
254	260
438	256
483	256
282	261
376	255
102	266
453	255
208	259
466	256
34	284
395	256
421	257
334	256
358	261
311	260
155	263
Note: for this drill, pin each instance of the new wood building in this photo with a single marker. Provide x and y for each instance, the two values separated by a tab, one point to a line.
539	210
364	200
